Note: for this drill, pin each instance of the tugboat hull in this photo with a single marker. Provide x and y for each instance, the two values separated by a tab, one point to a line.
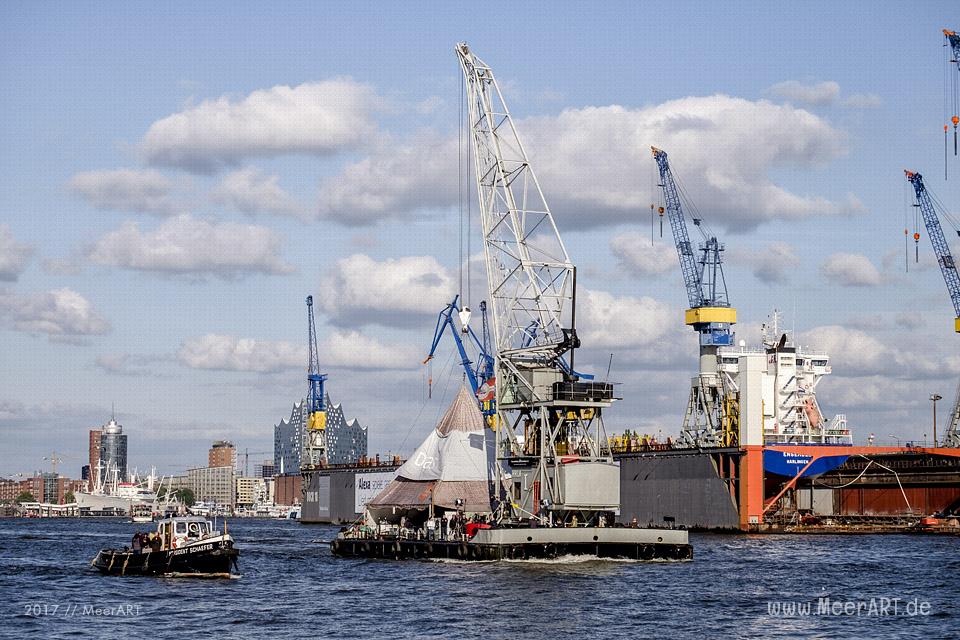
215	558
523	544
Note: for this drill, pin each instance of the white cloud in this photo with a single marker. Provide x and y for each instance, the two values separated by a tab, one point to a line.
184	245
339	350
608	321
354	350
856	353
851	270
250	191
641	257
135	190
417	174
13	255
396	292
771	264
821	93
229	353
862	101
62	314
316	117
590	162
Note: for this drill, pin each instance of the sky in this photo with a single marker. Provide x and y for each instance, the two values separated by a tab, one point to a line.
175	180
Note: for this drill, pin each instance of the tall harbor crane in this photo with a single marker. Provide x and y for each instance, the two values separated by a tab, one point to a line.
546	418
316	445
948	268
951	91
480	374
706	422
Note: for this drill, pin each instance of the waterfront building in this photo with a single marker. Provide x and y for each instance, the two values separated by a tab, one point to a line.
248	490
346	439
214	484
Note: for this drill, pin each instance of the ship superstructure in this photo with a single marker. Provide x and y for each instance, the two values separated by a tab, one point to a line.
774	391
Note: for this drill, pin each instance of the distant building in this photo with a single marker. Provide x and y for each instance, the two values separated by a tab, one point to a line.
94	457
265	470
113	449
248	490
214	484
222	454
346	440
288	440
9	490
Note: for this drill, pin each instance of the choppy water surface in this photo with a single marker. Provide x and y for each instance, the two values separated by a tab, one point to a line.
737	586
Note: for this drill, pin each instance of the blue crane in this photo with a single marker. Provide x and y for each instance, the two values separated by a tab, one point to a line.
316	399
948	268
953	44
710	312
940	247
480	374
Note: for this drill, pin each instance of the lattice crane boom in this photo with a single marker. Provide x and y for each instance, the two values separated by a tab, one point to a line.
941	249
530	273
545	415
316	398
710	312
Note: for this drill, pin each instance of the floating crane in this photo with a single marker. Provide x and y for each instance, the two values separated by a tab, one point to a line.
948	268
546	417
480	375
707	422
316	400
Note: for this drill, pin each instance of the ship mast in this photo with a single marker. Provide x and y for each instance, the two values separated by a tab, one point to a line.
545	418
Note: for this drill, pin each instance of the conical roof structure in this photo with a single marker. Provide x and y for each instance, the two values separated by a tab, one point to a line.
450	465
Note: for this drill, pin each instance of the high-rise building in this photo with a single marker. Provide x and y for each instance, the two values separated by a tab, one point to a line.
249	490
346	440
222	454
94	455
113	450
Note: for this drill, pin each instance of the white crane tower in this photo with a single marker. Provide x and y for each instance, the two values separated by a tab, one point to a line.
547	418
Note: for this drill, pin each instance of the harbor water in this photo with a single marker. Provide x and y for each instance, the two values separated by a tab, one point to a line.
738	586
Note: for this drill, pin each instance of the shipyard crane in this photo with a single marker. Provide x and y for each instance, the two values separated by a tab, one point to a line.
948	268
706	422
316	400
479	374
546	417
952	46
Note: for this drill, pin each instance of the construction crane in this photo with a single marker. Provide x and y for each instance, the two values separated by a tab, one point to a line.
316	443
948	268
706	422
951	95
480	374
545	415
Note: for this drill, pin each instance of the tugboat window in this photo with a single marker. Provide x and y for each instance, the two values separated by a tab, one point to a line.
181	527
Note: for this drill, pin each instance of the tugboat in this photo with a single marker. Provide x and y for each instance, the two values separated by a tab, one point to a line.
181	546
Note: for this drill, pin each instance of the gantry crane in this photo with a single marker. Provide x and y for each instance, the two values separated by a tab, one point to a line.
480	375
706	422
948	268
316	441
546	417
